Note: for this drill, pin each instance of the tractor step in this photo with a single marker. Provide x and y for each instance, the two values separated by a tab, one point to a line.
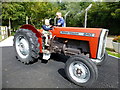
46	54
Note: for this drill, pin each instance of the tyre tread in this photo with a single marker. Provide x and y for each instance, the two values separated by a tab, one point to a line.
33	41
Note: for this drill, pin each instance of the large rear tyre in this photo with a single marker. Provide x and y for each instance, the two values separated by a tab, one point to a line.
81	71
26	46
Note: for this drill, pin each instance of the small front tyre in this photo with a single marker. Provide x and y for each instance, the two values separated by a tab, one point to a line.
81	71
103	60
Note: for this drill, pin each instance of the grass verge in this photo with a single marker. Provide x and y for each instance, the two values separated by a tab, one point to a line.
112	52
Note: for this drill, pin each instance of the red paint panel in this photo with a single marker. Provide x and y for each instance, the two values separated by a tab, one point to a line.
93	41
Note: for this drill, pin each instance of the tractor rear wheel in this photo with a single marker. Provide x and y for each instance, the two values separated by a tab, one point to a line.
26	46
81	71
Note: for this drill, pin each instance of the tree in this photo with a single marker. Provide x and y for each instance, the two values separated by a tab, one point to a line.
101	15
36	12
12	11
105	15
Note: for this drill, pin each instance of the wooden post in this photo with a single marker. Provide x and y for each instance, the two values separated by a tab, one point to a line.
86	10
85	19
26	19
9	28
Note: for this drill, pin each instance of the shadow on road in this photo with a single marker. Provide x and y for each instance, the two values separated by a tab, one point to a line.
61	71
59	57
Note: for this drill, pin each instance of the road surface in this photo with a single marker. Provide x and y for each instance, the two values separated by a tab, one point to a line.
50	75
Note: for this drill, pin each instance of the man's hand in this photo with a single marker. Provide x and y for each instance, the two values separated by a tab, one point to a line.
59	24
50	25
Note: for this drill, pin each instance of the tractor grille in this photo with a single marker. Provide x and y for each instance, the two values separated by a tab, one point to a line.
102	43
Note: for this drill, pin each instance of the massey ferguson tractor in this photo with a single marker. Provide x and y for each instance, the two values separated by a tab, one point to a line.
85	48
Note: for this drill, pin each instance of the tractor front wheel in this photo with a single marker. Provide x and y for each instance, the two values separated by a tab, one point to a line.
103	60
81	71
26	46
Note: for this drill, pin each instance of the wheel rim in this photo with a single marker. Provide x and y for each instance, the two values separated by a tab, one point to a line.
79	72
22	46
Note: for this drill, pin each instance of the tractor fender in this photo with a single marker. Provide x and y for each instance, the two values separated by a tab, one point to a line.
38	33
30	27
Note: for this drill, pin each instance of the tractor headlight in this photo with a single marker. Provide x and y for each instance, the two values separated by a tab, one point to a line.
102	43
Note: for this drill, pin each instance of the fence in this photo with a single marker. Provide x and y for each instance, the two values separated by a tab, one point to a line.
4	32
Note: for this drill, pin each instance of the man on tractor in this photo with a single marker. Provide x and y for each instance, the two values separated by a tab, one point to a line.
60	22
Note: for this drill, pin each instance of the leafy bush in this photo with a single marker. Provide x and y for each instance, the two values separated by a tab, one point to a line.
117	39
12	33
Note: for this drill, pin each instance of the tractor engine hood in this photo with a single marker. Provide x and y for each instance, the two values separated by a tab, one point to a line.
76	33
92	35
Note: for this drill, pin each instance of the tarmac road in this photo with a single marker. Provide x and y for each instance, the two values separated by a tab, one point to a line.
50	75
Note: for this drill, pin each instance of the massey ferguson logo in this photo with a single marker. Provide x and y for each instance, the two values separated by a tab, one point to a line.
78	33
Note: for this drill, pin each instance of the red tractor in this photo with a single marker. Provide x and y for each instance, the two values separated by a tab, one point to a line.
84	46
